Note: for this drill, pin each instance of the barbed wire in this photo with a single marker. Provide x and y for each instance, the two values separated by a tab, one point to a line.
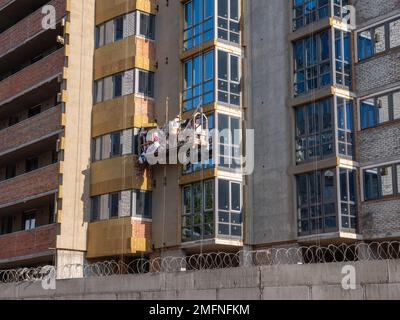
209	261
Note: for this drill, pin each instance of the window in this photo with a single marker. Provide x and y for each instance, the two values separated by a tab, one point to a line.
114	204
116	147
118	28
314	131
198	211
13	120
143	204
230	142
117	85
348	200
381	182
312	63
380	109
228	78
34	111
116	144
147	25
6	225
378	39
125	26
29	221
123	84
198	23
230	219
343	59
31	164
11	171
206	164
228	20
145	83
95	209
345	126
198	81
129	203
309	11
316	194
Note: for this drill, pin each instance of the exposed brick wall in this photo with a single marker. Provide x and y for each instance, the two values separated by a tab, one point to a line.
379	144
28	27
370	9
30	184
46	68
31	129
142	229
379	218
378	72
28	242
145	48
144	107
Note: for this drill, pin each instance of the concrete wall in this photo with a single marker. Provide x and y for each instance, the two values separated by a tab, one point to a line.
267	72
375	280
166	224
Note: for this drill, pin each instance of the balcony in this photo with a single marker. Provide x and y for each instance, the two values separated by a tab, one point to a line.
34	242
33	75
30	130
118	237
28	28
29	185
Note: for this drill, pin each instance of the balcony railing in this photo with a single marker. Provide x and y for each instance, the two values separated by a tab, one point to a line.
32	242
33	75
28	27
31	129
29	185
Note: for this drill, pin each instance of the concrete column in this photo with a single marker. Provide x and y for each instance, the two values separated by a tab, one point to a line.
70	264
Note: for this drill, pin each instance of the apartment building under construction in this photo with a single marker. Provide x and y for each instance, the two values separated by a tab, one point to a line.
320	90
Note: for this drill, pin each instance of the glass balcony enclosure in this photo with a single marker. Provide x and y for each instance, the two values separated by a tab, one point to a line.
205	20
324	129
213	76
321	60
212	209
306	12
327	201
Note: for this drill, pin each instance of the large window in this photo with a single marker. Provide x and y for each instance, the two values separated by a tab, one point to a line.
380	109
131	81
198	81
378	39
348	198
343	58
345	124
134	23
209	163
317	209
198	211
381	182
228	20
315	131
312	65
115	144
198	23
230	218
309	11
130	203
230	141
228	78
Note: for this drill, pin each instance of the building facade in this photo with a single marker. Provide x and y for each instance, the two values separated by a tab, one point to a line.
317	81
